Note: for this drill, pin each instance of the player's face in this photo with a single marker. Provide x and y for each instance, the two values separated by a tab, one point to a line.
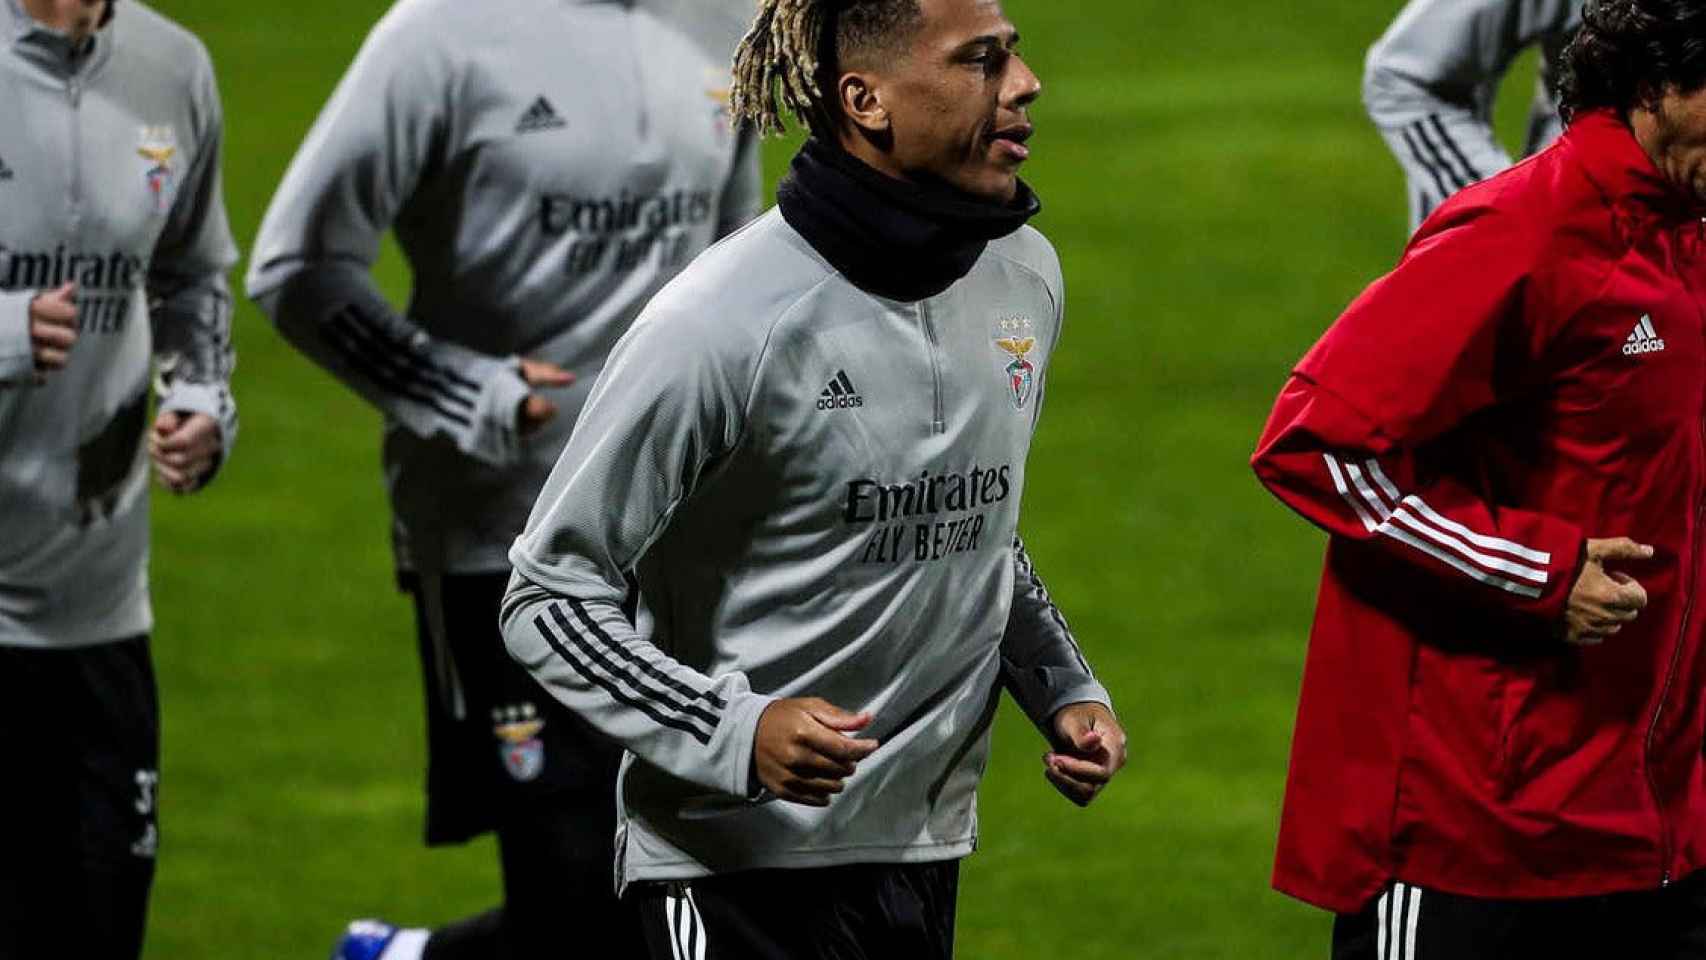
957	102
1678	140
77	19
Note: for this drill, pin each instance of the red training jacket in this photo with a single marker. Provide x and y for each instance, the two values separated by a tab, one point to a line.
1532	374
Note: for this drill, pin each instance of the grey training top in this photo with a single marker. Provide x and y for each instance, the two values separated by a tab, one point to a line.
109	178
1431	81
818	490
547	165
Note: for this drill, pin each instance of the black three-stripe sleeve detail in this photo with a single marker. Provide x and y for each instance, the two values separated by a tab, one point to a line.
610	687
657	691
389	372
1416	154
406	362
403	346
1053	611
645	666
352	355
1439	162
1451	145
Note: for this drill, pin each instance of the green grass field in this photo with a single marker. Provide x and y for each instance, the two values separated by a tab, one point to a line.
1216	196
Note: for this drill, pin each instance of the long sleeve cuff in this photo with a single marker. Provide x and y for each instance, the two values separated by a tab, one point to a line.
738	733
213	400
495	436
1050	689
17	354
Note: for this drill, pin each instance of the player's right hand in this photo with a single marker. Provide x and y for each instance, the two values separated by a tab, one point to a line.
1603	600
803	753
53	327
536	410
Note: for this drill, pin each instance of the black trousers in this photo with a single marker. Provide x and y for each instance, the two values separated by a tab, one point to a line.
1409	923
861	912
80	751
505	757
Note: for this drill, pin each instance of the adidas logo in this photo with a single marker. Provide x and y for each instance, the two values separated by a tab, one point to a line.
5	172
840	394
540	116
1644	339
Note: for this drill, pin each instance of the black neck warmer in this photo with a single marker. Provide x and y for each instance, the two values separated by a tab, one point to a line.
899	240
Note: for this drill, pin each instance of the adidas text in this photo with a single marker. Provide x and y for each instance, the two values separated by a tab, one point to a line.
1643	339
840	394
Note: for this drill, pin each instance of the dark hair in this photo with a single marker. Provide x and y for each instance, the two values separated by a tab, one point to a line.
795	49
1630	53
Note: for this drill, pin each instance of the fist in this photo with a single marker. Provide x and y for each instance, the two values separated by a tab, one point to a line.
53	328
803	752
1603	600
183	448
1089	750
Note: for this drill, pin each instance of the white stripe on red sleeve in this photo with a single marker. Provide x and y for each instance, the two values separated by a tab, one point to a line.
1391	520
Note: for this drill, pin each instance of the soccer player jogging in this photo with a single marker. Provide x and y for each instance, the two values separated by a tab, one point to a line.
113	253
1431	80
546	166
1498	750
809	453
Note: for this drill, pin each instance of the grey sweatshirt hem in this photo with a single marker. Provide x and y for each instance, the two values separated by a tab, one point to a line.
122	622
801	858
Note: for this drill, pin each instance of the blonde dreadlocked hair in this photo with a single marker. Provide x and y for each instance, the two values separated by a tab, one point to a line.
780	64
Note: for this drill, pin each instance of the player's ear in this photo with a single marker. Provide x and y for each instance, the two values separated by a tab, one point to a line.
861	101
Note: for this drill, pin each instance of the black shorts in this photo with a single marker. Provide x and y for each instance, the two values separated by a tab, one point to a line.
80	738
1408	923
499	747
858	912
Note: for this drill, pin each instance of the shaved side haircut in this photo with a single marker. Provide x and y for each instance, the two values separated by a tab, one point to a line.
796	48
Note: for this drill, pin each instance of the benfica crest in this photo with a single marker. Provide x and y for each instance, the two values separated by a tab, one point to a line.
1015	340
517	731
719	92
158	146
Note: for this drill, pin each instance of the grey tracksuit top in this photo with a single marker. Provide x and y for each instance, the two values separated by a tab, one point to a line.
546	165
1431	80
818	493
109	178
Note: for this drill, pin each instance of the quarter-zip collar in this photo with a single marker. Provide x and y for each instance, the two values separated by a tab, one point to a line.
1628	179
52	51
900	240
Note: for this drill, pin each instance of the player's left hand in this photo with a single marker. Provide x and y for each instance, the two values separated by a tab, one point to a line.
1089	750
184	447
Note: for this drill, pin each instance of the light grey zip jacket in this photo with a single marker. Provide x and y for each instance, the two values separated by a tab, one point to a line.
818	491
1431	80
546	165
109	177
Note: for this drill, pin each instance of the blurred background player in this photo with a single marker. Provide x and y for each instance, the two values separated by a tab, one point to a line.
810	453
113	252
1498	751
1431	80
546	167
